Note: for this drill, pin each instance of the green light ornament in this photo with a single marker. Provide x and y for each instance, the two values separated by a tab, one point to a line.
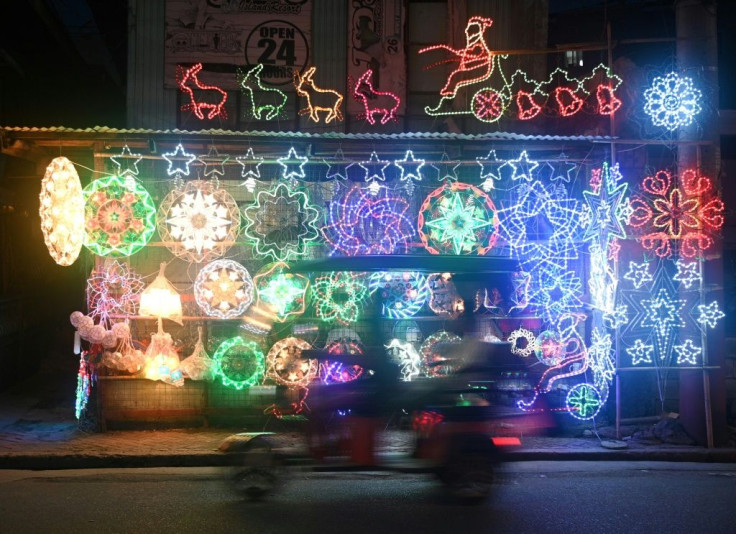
119	216
339	297
239	363
281	223
458	219
281	292
584	401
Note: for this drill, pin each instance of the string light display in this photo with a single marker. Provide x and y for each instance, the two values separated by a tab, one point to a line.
250	164
209	99
223	289
688	273
410	167
266	103
523	342
113	289
446	168
638	274
239	363
444	298
126	163
61	208
406	357
436	354
489	170
85	377
375	168
318	100
359	223
338	372
584	401
214	163
663	314
292	165
199	222
179	161
281	292
608	207
119	216
522	167
457	218
672	101
286	366
640	352
337	166
402	294
281	223
688	215
709	314
687	352
601	360
339	296
383	104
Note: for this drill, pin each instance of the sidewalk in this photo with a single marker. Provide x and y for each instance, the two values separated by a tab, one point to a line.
38	431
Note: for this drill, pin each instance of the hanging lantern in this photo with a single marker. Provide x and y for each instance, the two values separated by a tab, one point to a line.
162	361
161	300
198	366
61	207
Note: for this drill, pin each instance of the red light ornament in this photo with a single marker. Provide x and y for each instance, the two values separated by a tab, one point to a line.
209	99
385	104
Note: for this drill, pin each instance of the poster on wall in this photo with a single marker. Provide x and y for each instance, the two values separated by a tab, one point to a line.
226	34
376	43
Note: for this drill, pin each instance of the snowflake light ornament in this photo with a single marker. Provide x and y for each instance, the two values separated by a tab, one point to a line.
339	296
457	218
224	289
672	101
281	223
199	222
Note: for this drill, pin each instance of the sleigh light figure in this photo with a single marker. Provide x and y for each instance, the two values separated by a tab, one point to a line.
205	101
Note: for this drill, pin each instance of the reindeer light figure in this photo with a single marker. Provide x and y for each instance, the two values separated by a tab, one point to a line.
209	98
383	103
268	100
318	99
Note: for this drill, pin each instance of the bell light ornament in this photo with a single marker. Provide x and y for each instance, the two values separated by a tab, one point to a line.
61	208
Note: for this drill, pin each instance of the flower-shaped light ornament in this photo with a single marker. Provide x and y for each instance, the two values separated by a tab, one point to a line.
223	289
282	293
672	101
339	296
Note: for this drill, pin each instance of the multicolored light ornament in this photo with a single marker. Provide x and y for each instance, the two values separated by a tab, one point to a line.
318	100
199	222
281	223
112	289
209	99
339	296
402	294
672	101
239	363
359	223
686	215
119	216
384	104
85	378
224	289
444	299
286	366
457	218
338	372
262	99
435	351
281	292
61	208
179	161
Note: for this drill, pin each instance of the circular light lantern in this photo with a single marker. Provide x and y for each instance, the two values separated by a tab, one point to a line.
61	207
402	294
286	365
239	363
119	216
457	218
199	222
224	289
339	296
584	401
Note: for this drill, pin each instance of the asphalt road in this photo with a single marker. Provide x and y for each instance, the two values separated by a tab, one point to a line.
534	497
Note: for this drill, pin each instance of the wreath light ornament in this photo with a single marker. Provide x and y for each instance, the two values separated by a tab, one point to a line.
286	365
199	222
672	101
281	223
457	218
522	334
282	293
360	223
224	289
339	296
239	363
61	208
434	353
584	401
119	216
402	294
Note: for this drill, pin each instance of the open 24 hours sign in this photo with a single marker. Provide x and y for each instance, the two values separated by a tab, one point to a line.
226	34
